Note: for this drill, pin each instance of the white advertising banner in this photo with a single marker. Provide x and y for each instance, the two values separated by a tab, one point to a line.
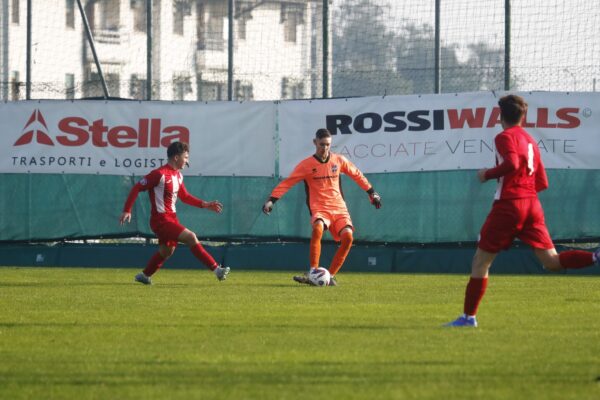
439	132
127	137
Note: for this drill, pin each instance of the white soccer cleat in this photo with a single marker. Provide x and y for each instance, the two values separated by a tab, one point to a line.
221	272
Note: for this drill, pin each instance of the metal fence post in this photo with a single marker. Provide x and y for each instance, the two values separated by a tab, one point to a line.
148	49
230	51
506	44
325	49
437	75
28	60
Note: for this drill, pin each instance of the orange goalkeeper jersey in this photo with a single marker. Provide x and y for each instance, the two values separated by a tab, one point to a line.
322	182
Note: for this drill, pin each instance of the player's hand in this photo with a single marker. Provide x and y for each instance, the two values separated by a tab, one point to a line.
125	217
268	207
214	206
375	200
481	175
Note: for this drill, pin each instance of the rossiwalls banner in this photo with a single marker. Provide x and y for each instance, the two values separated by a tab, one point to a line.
440	132
389	134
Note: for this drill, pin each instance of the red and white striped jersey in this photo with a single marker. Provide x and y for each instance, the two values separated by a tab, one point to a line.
164	186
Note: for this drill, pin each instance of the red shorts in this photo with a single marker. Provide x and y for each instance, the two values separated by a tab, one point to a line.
515	218
167	229
334	222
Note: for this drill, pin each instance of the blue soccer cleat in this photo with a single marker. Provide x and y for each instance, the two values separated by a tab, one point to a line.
141	278
463	320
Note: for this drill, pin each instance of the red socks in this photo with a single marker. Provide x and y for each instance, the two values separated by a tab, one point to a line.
154	264
473	295
204	257
575	259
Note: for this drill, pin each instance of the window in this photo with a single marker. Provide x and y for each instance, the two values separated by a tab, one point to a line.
292	15
15	12
70	14
69	86
211	91
15	86
242	15
93	86
105	17
137	88
138	8
211	28
182	86
243	91
292	89
181	9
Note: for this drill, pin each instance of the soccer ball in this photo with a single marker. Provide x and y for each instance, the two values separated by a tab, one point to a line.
319	276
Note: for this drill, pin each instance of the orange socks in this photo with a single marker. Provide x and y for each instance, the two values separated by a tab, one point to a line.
341	253
315	245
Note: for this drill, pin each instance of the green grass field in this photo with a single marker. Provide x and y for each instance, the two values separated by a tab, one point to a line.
94	334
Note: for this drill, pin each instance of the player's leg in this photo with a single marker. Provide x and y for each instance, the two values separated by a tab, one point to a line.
319	221
156	261
535	233
315	243
346	239
480	267
570	259
190	239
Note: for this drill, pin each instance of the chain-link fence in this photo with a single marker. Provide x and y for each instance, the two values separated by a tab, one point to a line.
293	49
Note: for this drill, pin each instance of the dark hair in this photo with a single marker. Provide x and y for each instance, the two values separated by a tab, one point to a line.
177	149
322	133
512	108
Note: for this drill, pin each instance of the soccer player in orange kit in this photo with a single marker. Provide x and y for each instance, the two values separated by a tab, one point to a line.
516	211
164	186
321	174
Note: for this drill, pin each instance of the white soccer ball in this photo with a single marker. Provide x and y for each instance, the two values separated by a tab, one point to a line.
319	276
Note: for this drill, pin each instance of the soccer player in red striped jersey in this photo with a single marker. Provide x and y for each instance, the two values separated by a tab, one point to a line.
321	175
516	211
164	186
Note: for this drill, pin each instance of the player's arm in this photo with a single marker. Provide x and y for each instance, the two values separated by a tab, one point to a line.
296	176
507	150
541	179
147	182
192	200
357	176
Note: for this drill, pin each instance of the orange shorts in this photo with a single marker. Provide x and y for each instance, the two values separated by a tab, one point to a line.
334	222
515	218
167	229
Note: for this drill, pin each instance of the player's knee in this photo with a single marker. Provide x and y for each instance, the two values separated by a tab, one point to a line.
167	252
347	236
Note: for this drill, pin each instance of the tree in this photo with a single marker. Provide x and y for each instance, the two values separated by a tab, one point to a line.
363	52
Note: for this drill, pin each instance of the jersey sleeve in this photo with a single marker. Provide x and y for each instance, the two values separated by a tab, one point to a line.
146	183
355	174
297	175
541	179
187	198
505	146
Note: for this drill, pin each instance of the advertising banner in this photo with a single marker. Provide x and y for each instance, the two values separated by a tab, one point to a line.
439	132
127	137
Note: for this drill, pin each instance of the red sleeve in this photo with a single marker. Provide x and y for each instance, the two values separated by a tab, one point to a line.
147	182
353	172
541	179
296	176
187	198
506	148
